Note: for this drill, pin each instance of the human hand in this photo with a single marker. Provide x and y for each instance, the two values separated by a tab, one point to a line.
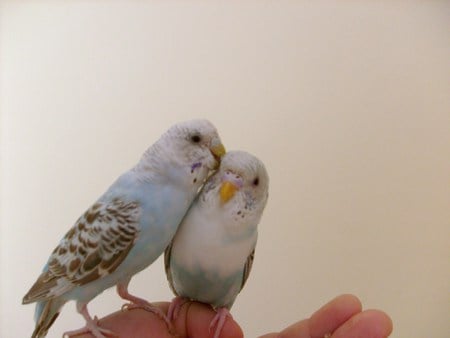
193	321
341	317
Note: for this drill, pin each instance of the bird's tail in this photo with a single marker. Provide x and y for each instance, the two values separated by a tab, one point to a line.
45	314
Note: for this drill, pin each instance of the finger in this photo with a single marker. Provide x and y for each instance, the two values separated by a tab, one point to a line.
370	324
194	322
134	323
333	314
325	320
297	330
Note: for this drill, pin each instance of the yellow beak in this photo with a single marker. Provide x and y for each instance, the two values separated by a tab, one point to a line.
227	191
218	150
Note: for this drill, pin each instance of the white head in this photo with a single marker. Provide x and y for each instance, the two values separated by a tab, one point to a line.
240	187
192	148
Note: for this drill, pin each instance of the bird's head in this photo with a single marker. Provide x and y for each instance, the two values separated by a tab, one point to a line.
188	151
242	185
195	142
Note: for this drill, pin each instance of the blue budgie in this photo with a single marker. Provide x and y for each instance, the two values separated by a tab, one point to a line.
211	255
128	227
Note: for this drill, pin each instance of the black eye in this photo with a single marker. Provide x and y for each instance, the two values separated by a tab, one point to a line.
256	181
196	138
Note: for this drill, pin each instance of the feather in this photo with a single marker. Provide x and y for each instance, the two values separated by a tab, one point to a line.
128	227
91	249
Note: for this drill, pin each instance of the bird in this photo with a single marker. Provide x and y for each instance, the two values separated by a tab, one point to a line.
127	228
210	258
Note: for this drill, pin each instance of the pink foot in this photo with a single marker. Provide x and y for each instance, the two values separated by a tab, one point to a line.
175	307
139	303
147	307
93	328
219	320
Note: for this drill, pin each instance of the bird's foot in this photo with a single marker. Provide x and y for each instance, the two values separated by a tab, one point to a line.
219	320
143	304
175	307
92	328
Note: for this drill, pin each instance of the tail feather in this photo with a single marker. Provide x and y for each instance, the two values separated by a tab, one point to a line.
45	314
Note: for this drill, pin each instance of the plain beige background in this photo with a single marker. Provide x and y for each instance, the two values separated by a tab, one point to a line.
347	103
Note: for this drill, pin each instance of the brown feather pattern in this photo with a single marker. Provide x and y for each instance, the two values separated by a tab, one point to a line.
248	267
94	247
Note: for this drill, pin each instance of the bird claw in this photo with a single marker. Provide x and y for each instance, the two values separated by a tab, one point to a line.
175	307
219	321
126	307
93	329
92	325
147	307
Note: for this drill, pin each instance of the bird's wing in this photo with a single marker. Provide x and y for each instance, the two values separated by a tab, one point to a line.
94	247
248	267
167	257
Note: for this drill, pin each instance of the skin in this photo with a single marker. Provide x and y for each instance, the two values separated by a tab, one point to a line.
341	317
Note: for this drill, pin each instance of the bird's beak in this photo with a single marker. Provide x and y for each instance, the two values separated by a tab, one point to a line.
227	191
217	149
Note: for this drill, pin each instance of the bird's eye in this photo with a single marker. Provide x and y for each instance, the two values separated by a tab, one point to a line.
196	138
256	181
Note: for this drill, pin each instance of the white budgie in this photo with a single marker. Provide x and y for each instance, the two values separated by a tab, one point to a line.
128	227
211	255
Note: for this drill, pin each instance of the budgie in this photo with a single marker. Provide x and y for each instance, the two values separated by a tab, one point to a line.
128	227
211	255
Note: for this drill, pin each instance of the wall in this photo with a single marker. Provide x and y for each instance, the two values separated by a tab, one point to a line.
346	103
